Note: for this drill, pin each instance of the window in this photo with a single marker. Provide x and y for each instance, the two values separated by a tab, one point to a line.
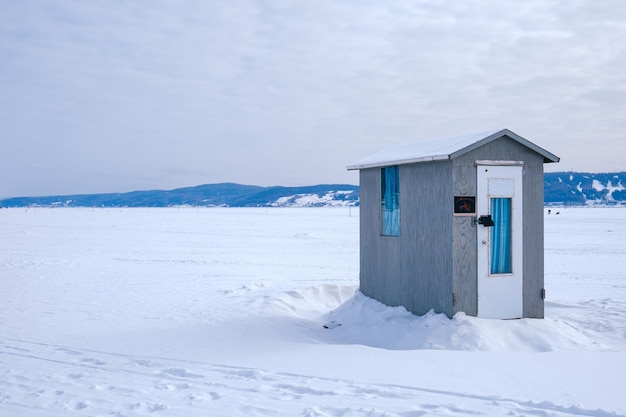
501	234
390	201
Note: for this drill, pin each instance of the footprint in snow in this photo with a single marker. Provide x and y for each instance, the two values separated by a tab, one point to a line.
211	396
180	372
173	387
93	361
147	363
252	374
150	406
81	405
68	351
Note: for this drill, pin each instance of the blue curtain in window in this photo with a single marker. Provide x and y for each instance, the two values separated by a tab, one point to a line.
501	236
390	201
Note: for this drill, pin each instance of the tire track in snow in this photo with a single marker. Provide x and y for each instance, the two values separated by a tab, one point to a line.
88	382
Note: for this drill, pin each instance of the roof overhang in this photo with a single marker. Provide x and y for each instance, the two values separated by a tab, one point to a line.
366	165
443	150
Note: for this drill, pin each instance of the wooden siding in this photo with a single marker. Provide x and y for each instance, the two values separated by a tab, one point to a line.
427	239
464	266
371	283
533	237
414	269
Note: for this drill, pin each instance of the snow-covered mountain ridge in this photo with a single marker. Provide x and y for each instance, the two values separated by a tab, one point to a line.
560	188
581	188
209	195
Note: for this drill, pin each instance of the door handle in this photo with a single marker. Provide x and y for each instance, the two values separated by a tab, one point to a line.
485	243
486	221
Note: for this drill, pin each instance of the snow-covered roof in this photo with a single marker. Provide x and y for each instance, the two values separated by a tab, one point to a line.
442	149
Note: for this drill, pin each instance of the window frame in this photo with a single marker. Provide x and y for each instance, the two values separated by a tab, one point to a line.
390	201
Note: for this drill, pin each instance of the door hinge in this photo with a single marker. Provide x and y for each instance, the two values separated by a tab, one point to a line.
543	293
453	300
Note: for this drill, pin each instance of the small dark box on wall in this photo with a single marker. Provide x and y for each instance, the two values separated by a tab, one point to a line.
464	205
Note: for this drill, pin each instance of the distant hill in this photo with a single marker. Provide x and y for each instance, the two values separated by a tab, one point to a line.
209	195
581	188
561	188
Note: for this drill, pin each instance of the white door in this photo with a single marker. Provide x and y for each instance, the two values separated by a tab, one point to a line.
500	283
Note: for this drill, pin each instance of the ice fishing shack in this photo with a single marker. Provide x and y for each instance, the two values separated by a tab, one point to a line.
455	225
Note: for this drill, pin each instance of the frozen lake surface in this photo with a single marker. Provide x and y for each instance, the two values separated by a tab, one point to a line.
221	312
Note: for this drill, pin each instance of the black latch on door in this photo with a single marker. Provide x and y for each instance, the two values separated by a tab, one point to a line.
486	221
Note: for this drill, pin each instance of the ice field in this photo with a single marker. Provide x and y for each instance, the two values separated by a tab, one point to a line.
221	312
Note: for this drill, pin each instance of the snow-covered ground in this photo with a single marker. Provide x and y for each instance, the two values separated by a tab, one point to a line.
221	312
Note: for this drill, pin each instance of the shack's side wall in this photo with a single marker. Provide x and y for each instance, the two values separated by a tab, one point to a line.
533	237
414	269
464	264
464	235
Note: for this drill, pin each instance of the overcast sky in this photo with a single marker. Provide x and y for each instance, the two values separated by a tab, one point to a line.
113	96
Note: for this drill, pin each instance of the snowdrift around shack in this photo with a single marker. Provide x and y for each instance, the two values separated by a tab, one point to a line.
365	321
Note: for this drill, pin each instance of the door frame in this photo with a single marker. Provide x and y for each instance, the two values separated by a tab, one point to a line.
500	295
